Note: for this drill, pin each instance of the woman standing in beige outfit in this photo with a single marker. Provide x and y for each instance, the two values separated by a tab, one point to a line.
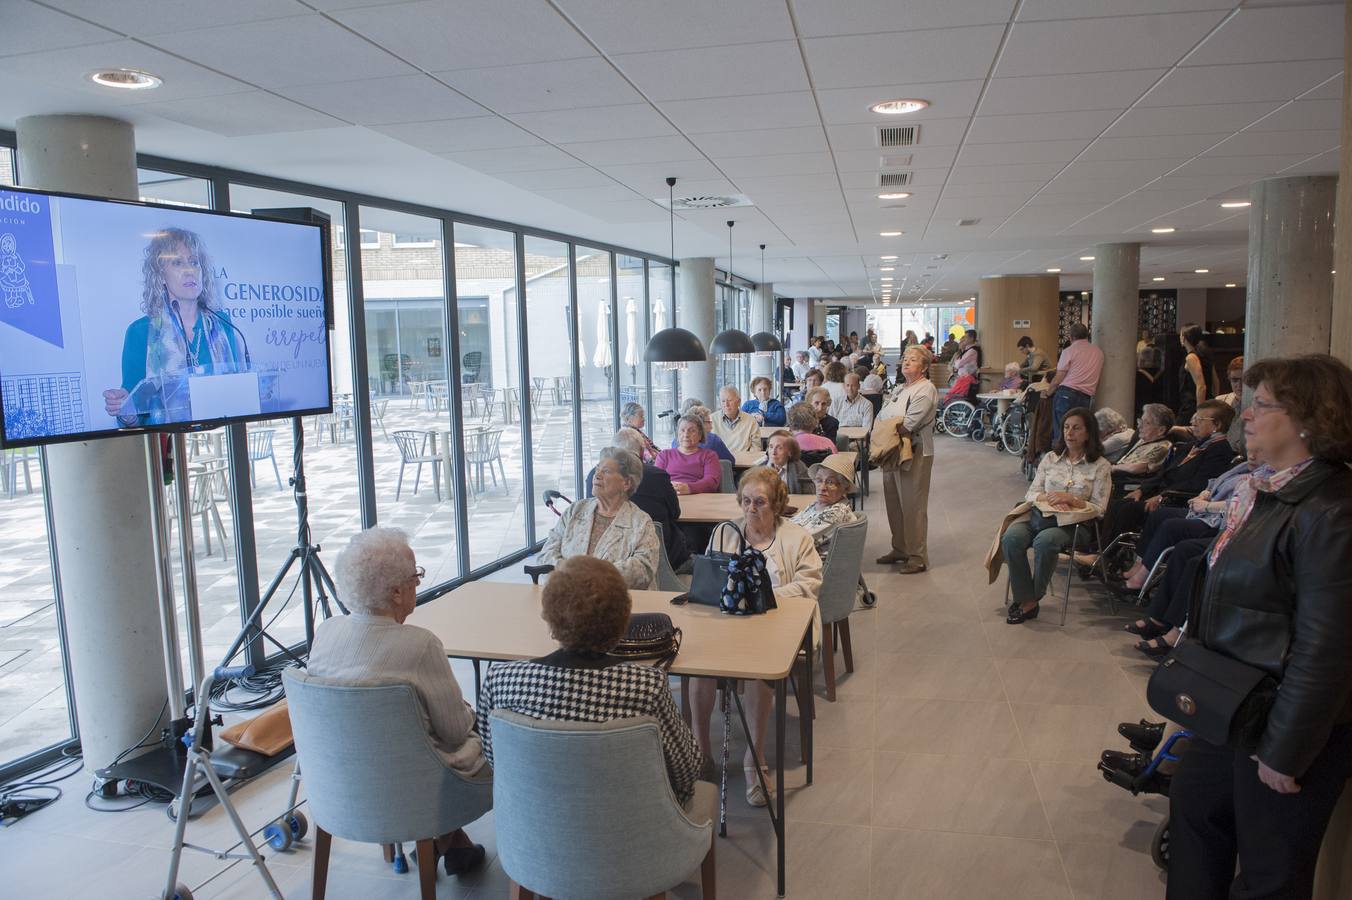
906	485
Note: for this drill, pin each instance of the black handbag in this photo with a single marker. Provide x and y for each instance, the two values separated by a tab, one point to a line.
1219	699
1040	521
736	583
650	636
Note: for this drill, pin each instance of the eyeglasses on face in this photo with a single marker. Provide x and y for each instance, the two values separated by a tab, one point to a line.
1197	420
749	502
1265	406
419	573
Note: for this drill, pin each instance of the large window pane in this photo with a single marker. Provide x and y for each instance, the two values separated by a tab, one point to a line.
179	190
596	350
662	314
409	371
548	325
635	328
330	450
490	373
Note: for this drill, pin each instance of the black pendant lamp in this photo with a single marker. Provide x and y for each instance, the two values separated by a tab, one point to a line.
732	342
766	342
674	348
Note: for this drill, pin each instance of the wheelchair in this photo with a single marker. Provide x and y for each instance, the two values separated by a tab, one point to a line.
1140	774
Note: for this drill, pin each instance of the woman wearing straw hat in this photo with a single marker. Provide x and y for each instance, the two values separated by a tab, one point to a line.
834	480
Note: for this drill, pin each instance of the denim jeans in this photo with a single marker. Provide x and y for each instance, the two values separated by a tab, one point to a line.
1028	585
1063	401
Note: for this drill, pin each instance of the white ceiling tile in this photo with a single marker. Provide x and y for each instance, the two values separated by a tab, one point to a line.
630	212
66	69
753	112
640	25
251	112
30	28
535	179
1102	45
385	101
1172	120
1035	10
765	68
633	120
600	193
946	54
284	52
449	136
535	87
436	36
729	144
1263	143
949	100
986	174
1332	89
541	157
140	18
650	178
871	160
1020	152
1254	167
1059	93
1203	185
1126	169
998	189
788	184
778	164
819	18
1323	164
1303	115
1275	35
634	150
1252	82
935	132
1040	126
1166	145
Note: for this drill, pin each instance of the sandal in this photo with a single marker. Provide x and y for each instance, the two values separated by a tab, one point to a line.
755	795
1155	648
1148	630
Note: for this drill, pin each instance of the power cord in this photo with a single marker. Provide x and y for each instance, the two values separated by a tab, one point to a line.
33	791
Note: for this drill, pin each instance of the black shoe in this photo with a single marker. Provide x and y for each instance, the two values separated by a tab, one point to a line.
1017	615
1132	764
1144	736
460	860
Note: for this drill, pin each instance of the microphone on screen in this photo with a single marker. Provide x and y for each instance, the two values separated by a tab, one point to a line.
248	363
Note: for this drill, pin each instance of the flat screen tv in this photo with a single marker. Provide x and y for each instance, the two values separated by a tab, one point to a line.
120	317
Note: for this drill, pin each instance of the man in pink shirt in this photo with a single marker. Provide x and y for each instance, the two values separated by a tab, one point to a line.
1077	377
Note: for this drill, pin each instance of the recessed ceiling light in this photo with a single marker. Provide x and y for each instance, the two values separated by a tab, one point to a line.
126	79
1085	258
886	278
1053	269
1084	293
887	257
887	268
895	195
1231	284
1163	229
1201	271
1235	204
1158	278
972	299
899	107
890	233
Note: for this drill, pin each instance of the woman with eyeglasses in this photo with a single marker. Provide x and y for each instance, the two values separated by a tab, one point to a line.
795	570
378	579
1275	598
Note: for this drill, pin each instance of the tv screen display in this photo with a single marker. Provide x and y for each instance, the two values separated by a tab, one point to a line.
118	316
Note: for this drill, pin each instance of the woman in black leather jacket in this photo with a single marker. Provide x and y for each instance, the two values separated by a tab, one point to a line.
1277	596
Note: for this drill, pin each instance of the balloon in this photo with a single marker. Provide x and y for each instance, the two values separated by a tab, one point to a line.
970	315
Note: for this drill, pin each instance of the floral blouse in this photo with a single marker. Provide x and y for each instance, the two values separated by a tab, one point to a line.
820	521
1089	481
1242	500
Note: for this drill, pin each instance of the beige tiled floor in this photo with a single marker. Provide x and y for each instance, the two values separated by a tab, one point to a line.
957	762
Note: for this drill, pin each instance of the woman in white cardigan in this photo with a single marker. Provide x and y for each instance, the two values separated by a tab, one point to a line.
795	570
608	526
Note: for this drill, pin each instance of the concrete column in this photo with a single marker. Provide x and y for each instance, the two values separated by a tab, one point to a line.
1117	275
1341	341
695	313
99	490
763	319
1289	308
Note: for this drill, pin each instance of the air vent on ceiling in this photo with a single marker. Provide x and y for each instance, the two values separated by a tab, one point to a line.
898	135
707	201
965	222
894	179
894	162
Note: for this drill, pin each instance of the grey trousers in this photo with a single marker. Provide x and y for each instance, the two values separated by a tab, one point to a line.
907	494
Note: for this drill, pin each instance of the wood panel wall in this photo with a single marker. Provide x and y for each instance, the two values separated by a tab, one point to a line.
1002	299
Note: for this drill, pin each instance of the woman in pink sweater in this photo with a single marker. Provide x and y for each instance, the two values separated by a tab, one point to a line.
802	422
693	469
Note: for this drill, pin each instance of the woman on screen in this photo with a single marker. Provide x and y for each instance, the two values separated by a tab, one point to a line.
183	332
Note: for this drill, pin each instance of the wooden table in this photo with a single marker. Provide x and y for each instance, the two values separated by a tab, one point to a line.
501	621
1002	400
722	507
745	459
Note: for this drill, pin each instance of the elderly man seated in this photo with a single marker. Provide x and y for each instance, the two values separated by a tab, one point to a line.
739	429
854	409
378	577
608	525
654	495
587	608
833	478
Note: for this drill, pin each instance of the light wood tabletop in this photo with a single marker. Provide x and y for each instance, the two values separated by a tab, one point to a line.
497	620
747	458
852	432
722	507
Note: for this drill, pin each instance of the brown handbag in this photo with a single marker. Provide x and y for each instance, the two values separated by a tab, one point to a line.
268	733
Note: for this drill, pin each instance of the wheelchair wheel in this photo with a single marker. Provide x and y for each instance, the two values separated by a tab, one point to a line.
869	599
939	427
1159	846
1013	431
958	417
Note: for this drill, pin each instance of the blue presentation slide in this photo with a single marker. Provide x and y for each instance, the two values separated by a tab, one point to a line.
123	315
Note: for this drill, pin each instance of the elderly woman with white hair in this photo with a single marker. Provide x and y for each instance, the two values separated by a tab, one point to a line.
1114	431
378	578
608	525
632	416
